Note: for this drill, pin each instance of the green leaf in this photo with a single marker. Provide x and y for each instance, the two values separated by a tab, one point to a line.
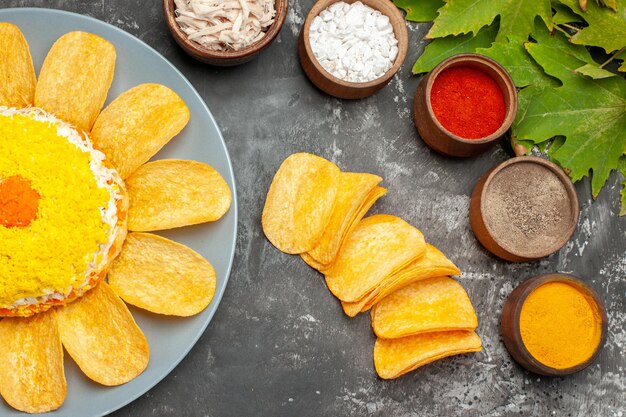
420	10
590	113
622	169
516	17
607	28
563	14
519	64
557	56
442	48
559	44
594	71
524	98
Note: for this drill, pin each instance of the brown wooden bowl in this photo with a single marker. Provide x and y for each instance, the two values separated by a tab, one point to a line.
493	243
510	327
223	58
334	86
439	138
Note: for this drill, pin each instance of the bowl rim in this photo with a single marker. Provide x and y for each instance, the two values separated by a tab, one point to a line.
510	322
571	193
403	44
509	116
169	10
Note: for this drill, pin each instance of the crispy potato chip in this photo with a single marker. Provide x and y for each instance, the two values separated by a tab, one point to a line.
300	202
137	124
432	305
172	193
100	334
17	74
396	357
162	276
378	247
312	262
32	378
351	309
355	218
433	264
75	78
353	190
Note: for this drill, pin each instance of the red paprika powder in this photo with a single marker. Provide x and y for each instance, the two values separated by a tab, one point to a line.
467	102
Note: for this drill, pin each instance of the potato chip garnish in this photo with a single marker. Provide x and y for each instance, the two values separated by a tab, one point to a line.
353	190
172	193
102	337
396	357
17	74
338	239
162	276
378	247
32	378
433	264
75	78
137	124
300	202
432	305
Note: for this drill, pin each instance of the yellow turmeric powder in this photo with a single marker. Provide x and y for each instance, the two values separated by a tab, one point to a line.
560	325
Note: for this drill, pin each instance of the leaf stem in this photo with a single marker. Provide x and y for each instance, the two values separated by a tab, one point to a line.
612	57
563	31
574	28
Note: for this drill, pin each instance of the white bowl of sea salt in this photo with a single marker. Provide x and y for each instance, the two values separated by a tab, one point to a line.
351	49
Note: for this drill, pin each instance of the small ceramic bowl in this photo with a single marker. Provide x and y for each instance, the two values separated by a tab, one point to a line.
223	58
510	323
334	86
498	242
439	138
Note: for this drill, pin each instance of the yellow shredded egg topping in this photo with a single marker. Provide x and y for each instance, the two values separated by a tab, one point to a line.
55	250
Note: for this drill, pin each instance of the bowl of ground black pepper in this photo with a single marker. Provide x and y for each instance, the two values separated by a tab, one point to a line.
524	209
464	105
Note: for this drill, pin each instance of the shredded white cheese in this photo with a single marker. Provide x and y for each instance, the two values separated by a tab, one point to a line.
225	25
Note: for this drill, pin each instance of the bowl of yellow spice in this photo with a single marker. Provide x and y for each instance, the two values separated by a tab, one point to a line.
554	324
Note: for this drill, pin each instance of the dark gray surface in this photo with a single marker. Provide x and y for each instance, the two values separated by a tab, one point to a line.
279	344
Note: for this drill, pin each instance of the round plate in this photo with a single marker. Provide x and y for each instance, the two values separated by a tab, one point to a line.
170	339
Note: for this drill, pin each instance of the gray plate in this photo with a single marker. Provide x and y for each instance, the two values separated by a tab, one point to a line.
170	338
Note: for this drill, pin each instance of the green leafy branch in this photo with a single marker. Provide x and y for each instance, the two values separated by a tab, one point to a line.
570	106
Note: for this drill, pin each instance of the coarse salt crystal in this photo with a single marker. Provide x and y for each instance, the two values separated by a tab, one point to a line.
353	42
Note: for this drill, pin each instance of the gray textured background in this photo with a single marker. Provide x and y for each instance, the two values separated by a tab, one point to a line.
279	344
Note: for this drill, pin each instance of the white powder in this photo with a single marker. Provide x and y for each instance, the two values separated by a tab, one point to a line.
353	41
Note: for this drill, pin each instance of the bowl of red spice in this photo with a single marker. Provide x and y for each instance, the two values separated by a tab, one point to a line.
554	324
464	105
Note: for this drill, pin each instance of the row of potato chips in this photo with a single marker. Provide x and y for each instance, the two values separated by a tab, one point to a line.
381	262
421	323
